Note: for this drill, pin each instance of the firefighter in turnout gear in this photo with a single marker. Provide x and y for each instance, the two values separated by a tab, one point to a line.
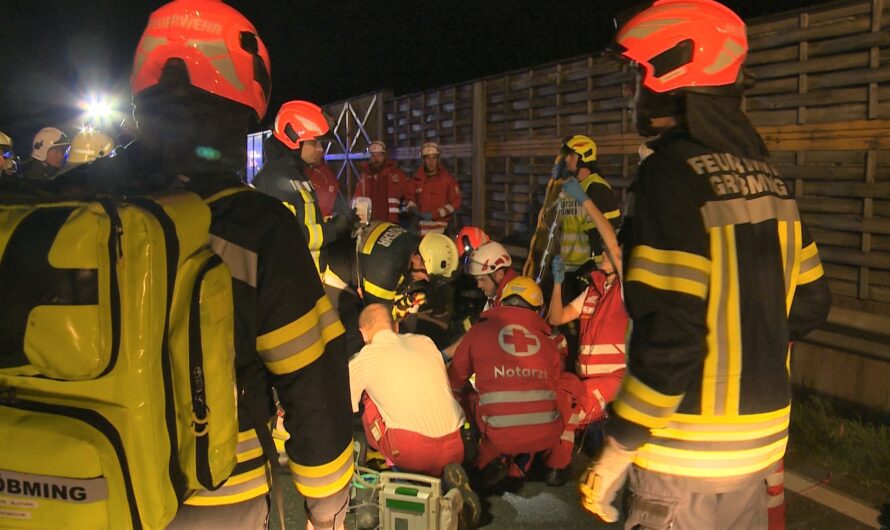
518	364
187	95
382	181
295	146
720	276
436	195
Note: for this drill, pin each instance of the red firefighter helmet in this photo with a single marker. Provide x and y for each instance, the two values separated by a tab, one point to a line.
685	44
298	121
469	239
220	48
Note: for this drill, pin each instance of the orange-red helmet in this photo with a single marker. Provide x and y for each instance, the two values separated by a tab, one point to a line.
298	121
685	44
469	239
220	48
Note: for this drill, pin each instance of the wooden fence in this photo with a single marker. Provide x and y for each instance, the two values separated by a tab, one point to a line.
822	102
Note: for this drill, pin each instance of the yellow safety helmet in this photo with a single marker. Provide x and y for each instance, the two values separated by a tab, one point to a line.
439	254
582	145
88	145
525	288
5	141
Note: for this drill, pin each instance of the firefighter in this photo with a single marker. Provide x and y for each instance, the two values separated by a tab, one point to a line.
9	166
296	145
491	265
580	239
469	301
87	146
48	152
194	104
382	181
720	275
436	195
518	365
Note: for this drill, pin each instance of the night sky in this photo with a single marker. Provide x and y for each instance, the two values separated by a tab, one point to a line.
58	51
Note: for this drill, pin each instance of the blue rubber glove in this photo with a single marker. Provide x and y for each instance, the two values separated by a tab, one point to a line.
572	188
558	267
427	216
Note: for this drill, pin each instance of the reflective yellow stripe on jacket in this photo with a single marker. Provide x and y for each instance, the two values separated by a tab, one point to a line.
298	344
325	479
244	484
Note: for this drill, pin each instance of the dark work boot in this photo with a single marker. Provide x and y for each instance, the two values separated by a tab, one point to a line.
455	476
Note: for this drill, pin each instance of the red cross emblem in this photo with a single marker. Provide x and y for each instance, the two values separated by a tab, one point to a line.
518	341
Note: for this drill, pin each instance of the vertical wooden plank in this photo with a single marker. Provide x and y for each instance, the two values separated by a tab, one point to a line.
558	100
871	165
506	206
874	58
478	150
803	52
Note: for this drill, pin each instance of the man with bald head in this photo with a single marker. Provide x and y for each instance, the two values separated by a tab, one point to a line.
410	414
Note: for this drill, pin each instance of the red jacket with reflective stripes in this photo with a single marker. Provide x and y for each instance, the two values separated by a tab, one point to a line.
386	189
603	325
438	194
517	365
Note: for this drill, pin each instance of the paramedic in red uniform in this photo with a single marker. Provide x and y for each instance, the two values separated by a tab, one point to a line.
517	365
603	325
436	193
382	181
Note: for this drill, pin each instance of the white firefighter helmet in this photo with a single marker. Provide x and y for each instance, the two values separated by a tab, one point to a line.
46	139
89	145
439	254
488	258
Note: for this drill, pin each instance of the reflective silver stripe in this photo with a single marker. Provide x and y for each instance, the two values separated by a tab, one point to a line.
248	445
599	369
304	341
241	262
442	212
449	208
236	489
517	420
699	463
729	444
393	200
50	487
393	210
671	270
810	264
737	428
742	211
323	481
775	500
516	396
568	436
601	349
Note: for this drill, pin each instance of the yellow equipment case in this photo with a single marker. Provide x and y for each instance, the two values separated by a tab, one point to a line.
117	383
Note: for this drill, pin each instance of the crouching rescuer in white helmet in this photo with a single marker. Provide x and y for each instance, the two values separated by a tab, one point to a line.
201	76
720	275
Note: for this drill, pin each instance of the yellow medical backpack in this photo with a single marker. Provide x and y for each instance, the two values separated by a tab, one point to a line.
117	383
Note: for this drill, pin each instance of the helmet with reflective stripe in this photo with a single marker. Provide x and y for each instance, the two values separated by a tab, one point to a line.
582	145
488	258
685	44
470	238
219	47
298	121
439	254
524	288
430	148
89	145
46	139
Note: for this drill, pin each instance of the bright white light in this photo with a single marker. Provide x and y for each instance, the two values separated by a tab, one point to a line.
97	109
